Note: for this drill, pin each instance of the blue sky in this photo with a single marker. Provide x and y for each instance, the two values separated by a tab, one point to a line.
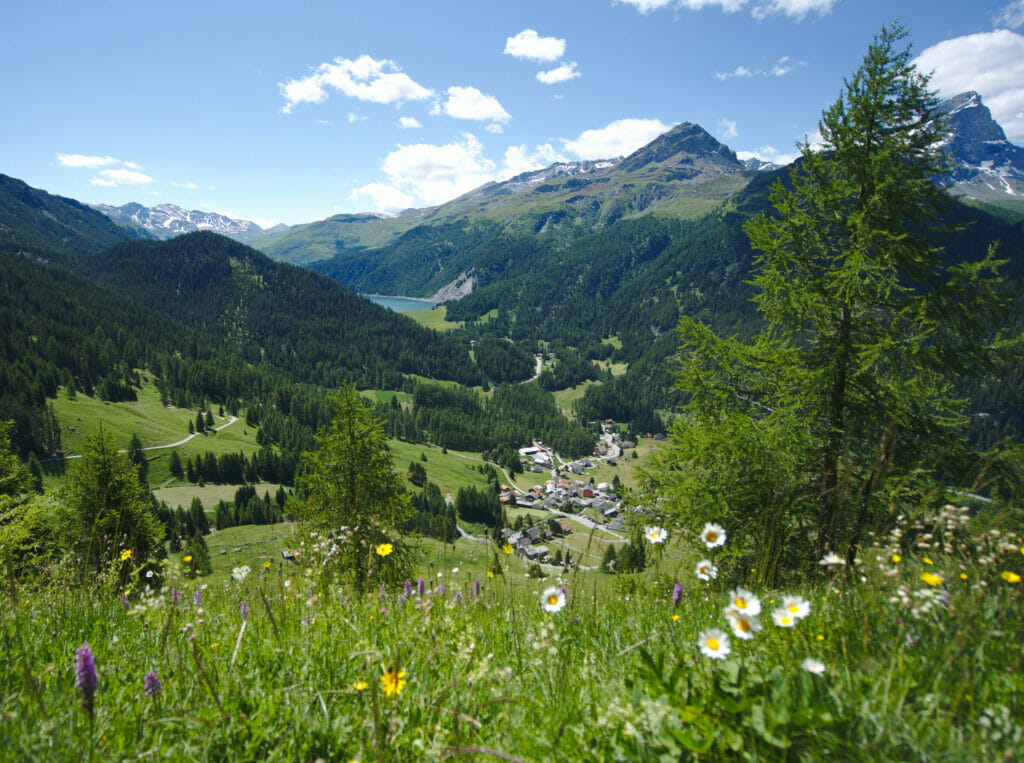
293	113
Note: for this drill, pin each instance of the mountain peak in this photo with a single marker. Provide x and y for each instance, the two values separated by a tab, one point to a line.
682	146
986	165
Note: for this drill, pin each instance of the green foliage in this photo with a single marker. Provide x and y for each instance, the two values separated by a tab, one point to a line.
501	361
802	437
108	512
350	490
417	474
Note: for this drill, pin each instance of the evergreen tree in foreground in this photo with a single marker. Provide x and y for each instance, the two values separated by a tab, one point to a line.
799	439
353	494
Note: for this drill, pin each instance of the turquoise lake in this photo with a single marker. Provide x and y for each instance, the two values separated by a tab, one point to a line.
401	304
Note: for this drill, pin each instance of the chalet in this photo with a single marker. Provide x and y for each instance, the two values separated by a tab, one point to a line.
564	527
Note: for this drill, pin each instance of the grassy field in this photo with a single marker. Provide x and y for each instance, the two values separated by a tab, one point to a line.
449	471
148	418
384	396
435	319
564	398
617	369
182	494
914	659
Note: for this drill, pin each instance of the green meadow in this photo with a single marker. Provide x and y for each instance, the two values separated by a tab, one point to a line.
911	655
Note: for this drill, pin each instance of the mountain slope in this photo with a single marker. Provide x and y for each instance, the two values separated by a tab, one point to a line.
297	321
36	223
681	174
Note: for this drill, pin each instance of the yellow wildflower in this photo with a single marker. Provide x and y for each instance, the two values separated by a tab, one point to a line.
266	565
384	549
507	549
926	560
895	559
187	558
1010	577
963	576
931	578
126	554
392	682
360	686
675	618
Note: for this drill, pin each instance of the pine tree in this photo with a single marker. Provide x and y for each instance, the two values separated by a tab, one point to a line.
36	470
109	510
198	514
138	457
174	465
350	481
853	387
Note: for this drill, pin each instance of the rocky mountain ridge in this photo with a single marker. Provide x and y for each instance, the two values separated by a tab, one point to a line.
169	220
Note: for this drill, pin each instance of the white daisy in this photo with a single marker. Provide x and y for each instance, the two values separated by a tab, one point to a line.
706	570
240	573
714	644
744	625
784	618
713	535
743	602
655	534
831	560
811	665
553	599
797	606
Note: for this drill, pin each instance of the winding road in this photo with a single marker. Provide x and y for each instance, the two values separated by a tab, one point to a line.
230	421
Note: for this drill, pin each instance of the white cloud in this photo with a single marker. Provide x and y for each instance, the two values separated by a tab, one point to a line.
529	45
103	182
470	103
780	68
494	128
353	117
365	79
436	174
89	162
425	174
188	186
739	71
796	9
646	6
122	176
563	73
619	138
727	129
990	63
1012	16
322	122
409	123
519	159
783	66
132	165
768	154
386	198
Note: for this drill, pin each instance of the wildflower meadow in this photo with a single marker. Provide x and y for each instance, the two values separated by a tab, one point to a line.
913	652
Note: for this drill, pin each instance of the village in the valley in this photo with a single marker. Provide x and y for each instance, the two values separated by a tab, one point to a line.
576	503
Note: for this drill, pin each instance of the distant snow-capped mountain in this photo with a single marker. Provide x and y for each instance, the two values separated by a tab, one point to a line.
169	220
986	166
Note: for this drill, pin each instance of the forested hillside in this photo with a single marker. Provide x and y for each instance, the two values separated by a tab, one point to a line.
211	319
